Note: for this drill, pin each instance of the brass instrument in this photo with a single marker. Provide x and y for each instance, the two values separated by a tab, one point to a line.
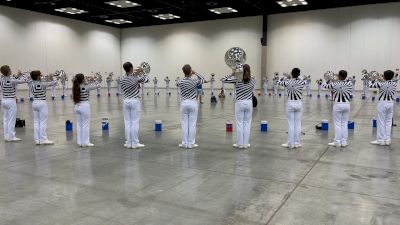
144	68
329	76
235	58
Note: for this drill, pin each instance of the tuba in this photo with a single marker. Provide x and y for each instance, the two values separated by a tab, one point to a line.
235	58
329	76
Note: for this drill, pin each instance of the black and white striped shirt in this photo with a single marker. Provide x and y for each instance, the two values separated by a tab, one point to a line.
293	87
243	91
130	85
188	87
387	89
85	89
38	89
342	90
9	86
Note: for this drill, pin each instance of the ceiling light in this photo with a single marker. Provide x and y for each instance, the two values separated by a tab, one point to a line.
223	10
123	4
118	21
286	3
167	16
71	10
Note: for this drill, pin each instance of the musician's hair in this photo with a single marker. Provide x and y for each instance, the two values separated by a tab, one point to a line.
246	73
388	74
295	72
127	67
35	74
5	70
342	75
187	70
76	87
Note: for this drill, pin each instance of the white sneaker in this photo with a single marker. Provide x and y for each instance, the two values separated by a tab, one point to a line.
333	144
387	143
133	147
195	145
88	145
13	140
125	145
286	145
248	145
297	145
37	142
378	142
189	146
344	145
140	145
235	145
47	142
241	147
182	146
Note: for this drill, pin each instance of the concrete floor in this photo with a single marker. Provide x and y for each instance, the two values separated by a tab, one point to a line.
215	184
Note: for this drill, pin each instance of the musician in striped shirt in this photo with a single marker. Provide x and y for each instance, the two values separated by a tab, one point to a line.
294	107
387	94
342	90
244	89
39	106
189	106
130	84
80	96
9	105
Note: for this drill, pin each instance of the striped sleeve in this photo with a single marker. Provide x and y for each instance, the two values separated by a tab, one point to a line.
229	79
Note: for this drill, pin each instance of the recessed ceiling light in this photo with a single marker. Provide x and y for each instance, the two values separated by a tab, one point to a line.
71	10
123	4
167	16
223	10
286	3
118	21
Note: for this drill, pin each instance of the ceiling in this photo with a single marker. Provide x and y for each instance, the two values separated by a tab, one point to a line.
187	10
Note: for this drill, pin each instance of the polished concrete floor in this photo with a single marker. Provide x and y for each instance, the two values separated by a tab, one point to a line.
214	184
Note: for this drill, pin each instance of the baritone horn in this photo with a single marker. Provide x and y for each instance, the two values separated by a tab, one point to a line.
143	68
329	76
235	58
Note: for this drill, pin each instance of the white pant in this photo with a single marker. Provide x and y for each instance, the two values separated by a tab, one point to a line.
30	91
319	90
9	106
308	87
40	118
243	114
366	90
82	113
189	110
142	88
132	110
98	91
384	121
294	112
53	91
341	112
155	89
118	88
108	87
63	89
265	87
212	89
276	89
167	88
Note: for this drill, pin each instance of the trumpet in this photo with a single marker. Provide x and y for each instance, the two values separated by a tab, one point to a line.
373	75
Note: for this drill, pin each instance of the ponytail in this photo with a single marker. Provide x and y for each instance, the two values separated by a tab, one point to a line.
246	73
76	87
